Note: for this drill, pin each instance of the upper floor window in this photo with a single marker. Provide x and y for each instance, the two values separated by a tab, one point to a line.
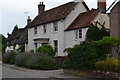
44	29
78	33
55	26
56	45
35	30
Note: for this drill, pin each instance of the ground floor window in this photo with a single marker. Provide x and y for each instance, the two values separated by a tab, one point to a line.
35	45
56	45
44	43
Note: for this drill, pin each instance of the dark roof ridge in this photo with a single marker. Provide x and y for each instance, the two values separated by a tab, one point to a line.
60	6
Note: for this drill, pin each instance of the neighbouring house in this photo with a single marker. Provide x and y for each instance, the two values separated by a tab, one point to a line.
13	39
64	26
17	38
115	20
115	25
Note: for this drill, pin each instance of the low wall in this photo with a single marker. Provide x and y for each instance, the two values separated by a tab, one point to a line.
59	60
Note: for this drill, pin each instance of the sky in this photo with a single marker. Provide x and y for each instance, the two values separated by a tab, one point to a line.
13	12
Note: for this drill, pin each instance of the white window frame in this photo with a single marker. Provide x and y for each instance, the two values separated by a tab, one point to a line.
35	30
55	42
55	26
79	34
44	29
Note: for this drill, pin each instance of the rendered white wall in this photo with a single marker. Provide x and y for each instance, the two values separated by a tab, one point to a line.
60	35
71	37
74	13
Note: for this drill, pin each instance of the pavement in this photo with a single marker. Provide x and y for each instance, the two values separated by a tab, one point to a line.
12	71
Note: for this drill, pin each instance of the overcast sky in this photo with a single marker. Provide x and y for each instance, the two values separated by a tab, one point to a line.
12	11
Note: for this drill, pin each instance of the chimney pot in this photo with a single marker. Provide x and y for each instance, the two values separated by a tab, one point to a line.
28	20
101	6
41	8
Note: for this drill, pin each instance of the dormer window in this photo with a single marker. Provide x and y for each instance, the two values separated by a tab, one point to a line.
55	26
35	30
44	29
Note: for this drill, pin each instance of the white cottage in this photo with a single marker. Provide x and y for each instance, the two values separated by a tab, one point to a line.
48	26
56	26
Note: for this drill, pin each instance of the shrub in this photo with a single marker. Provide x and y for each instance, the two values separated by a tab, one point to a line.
84	56
46	49
110	64
21	48
31	51
9	57
35	61
21	59
108	42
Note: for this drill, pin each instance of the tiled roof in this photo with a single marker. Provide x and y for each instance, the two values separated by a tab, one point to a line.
83	20
24	37
54	14
14	37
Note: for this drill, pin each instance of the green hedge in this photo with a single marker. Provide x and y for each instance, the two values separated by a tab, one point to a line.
35	61
9	57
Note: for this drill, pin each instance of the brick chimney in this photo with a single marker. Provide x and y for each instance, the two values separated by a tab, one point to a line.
41	8
101	6
28	20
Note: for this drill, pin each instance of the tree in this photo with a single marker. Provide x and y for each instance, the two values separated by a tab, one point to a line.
3	42
95	33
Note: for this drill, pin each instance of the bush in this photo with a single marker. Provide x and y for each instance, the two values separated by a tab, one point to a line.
21	59
35	61
9	57
110	64
84	56
31	51
46	49
108	43
21	48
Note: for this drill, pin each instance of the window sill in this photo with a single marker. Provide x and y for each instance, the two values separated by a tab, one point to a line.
78	39
44	33
55	32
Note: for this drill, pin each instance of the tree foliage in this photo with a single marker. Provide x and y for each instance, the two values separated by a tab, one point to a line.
95	33
3	42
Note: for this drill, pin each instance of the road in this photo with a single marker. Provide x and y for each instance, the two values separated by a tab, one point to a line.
16	72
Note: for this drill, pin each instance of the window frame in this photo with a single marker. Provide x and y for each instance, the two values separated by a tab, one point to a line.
44	29
35	30
55	45
80	33
55	26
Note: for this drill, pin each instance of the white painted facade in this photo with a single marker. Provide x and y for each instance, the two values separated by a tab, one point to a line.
71	40
11	48
59	35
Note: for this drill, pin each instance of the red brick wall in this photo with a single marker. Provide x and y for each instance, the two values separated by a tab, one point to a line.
114	21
